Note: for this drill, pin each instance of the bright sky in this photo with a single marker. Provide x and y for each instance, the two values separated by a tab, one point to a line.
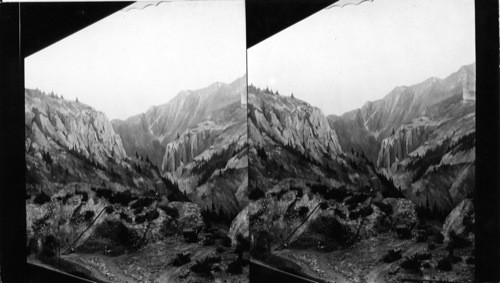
132	60
339	58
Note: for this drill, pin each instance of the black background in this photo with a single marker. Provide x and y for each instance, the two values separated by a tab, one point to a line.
29	27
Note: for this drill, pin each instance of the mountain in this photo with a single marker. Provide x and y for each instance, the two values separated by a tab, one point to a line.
304	189
209	161
76	166
291	139
364	129
422	137
68	141
148	133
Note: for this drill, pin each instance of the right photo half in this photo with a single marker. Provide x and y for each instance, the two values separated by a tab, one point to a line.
361	132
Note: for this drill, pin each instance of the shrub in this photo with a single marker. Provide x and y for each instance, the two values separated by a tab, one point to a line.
88	215
303	210
444	264
41	198
226	241
235	267
50	246
256	194
142	202
181	259
411	263
204	266
392	255
170	211
125	217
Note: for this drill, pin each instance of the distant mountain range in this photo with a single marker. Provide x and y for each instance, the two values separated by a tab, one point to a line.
422	136
413	150
149	133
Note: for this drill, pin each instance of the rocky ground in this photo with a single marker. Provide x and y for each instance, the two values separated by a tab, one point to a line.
153	263
363	262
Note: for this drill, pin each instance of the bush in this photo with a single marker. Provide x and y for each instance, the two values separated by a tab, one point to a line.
142	202
235	267
41	198
170	211
204	266
384	207
256	194
50	246
125	217
411	263
392	255
303	210
88	215
226	241
242	244
181	259
84	195
444	264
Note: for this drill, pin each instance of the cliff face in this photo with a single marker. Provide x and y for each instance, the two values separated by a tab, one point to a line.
57	123
209	161
376	120
189	145
290	139
70	142
149	133
404	141
293	123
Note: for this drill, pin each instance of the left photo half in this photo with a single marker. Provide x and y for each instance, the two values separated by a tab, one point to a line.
136	146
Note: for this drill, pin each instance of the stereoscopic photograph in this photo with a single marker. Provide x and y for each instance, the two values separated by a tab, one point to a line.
136	146
362	143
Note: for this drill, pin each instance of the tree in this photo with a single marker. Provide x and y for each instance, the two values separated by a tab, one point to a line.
393	132
77	100
178	136
292	95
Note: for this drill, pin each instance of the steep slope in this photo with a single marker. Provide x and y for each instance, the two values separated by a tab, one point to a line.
422	137
148	133
209	161
378	119
291	139
432	158
304	189
68	141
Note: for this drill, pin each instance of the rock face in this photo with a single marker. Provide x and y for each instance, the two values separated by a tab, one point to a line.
209	161
189	145
293	123
68	141
404	141
292	139
240	225
460	220
150	132
51	122
425	135
376	120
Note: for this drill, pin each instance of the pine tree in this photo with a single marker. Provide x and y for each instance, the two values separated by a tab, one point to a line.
178	136
292	95
77	100
393	132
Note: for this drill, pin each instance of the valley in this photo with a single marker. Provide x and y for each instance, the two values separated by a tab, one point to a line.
149	199
382	193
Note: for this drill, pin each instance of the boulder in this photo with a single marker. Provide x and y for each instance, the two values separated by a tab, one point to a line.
460	221
403	212
189	215
240	225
